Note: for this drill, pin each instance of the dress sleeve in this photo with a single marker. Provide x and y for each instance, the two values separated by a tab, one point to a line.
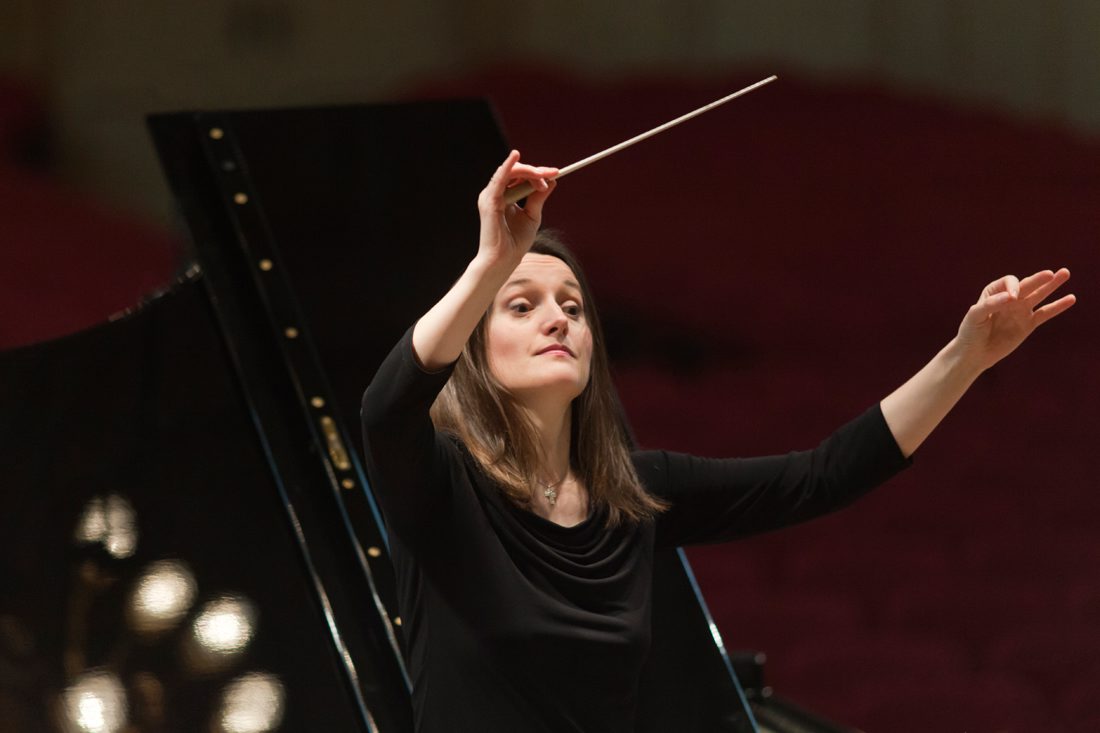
408	463
713	500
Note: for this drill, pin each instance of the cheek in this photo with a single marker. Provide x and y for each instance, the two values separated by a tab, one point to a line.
587	351
502	348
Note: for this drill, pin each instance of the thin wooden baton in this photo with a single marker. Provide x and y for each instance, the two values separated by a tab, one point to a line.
524	189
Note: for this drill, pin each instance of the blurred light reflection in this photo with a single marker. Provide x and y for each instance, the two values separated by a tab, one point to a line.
252	703
96	703
162	596
122	534
112	523
220	632
225	625
92	525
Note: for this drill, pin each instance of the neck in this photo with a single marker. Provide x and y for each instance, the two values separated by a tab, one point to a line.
565	500
552	431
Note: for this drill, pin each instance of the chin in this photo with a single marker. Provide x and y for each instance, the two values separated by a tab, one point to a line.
569	388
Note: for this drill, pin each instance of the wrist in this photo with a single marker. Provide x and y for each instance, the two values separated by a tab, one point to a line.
491	267
959	363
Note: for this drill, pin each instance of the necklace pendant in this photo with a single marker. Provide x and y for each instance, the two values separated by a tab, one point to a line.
551	495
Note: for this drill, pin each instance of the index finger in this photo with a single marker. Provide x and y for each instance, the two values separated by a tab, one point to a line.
503	172
522	170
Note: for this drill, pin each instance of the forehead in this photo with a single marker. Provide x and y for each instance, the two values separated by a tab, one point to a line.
542	269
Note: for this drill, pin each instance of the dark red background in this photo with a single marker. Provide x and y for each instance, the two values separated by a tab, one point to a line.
774	267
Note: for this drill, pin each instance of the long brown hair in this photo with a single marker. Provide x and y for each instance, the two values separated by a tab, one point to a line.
477	409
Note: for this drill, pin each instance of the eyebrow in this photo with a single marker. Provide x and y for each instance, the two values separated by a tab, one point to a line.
527	281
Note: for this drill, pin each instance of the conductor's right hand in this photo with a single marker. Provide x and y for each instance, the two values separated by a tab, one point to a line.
508	230
507	233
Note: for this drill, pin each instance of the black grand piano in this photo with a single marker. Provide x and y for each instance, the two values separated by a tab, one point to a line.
189	539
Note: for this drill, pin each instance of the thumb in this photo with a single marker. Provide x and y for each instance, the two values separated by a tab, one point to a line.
1009	284
996	296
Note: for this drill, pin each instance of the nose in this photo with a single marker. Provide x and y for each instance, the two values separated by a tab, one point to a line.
557	322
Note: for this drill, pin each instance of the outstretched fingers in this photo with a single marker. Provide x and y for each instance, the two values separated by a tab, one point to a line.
1009	292
1036	288
1030	284
1051	310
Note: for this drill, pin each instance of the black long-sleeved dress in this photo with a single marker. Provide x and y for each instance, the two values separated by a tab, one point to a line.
515	623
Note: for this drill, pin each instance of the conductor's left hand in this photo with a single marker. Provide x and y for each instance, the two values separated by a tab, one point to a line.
1007	312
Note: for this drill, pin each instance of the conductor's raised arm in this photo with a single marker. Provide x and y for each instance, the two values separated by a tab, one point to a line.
507	233
1006	313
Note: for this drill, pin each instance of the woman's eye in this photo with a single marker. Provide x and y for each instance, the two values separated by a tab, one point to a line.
572	309
521	307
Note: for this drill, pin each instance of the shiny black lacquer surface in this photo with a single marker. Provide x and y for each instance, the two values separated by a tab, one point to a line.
146	411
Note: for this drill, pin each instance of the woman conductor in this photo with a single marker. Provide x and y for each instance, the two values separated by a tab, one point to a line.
522	527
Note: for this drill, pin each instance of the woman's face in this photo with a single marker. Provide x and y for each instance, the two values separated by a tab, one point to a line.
538	342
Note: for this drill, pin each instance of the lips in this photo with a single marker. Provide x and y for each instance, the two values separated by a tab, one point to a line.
556	347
